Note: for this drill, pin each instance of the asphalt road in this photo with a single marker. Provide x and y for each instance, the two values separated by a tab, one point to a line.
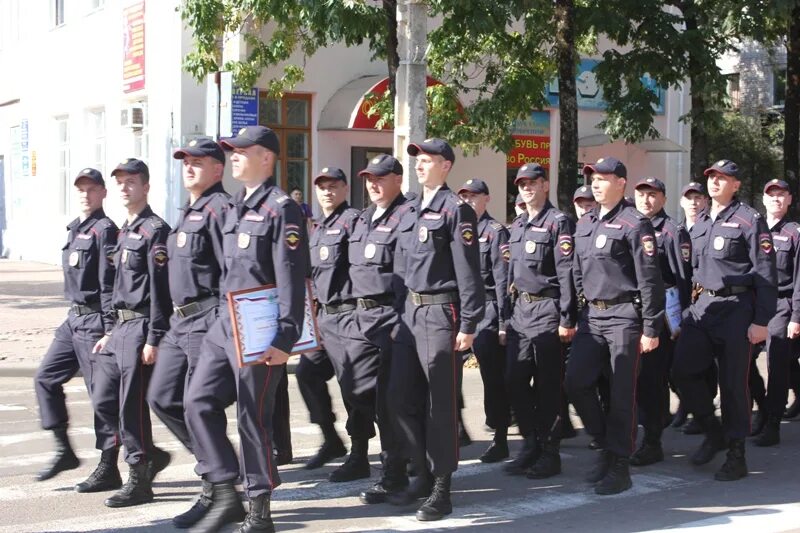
671	495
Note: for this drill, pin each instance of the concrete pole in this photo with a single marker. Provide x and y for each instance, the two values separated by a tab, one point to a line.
411	111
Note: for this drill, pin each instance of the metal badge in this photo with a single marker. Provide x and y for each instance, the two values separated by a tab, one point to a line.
125	255
719	243
369	250
74	258
180	240
324	253
423	233
530	247
601	240
244	240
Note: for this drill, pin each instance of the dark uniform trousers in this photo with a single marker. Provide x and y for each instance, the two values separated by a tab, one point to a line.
652	390
313	372
281	423
70	351
779	355
716	328
492	361
217	382
599	341
122	370
423	360
178	353
534	350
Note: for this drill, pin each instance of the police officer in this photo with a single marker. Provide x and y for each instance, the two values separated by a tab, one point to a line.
674	257
333	289
616	270
264	243
785	325
734	268
440	264
380	296
544	314
490	339
583	200
142	301
87	260
194	247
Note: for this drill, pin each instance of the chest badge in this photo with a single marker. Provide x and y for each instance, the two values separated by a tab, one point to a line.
719	243
370	250
180	240
324	252
423	234
530	247
125	255
243	241
600	241
74	257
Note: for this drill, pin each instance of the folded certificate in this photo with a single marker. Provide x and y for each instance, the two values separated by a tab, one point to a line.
674	311
254	317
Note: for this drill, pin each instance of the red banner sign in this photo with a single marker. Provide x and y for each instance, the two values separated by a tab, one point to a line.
529	149
133	48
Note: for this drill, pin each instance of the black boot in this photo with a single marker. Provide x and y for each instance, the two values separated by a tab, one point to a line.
420	487
357	464
198	510
106	476
224	507
65	458
618	478
735	466
158	461
794	409
771	434
693	427
567	429
549	462
498	449
331	448
600	468
650	452
259	519
438	503
136	491
393	480
759	421
713	443
679	419
526	457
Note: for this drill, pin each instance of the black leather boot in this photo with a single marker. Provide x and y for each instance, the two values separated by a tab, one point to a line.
496	452
259	519
65	458
526	457
198	510
759	421
600	468
713	443
224	507
549	462
771	434
680	417
618	478
136	491
438	503
693	427
331	448
393	480
735	466
106	476
650	452
357	464
158	461
420	487
794	409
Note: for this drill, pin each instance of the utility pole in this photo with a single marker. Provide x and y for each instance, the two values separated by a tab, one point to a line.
410	107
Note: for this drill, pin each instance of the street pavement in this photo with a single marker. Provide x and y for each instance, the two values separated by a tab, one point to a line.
671	495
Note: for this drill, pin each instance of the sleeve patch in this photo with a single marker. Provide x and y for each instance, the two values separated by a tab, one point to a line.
565	245
505	252
160	256
110	251
467	233
765	241
292	236
686	252
649	245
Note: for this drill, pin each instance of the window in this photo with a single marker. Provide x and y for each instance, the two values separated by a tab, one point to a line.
9	23
58	12
141	138
733	90
779	87
290	118
96	135
63	164
91	5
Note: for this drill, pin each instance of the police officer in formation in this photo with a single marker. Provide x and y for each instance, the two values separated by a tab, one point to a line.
734	269
88	263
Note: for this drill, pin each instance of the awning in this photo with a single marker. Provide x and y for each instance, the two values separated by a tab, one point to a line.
651	145
347	109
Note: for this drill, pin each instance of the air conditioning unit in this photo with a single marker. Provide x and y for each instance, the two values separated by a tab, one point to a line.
132	116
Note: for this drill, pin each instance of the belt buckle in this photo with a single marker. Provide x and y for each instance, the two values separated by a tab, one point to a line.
601	305
179	311
416	298
711	292
526	297
191	308
361	302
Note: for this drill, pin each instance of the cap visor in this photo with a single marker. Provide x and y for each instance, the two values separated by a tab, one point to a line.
183	152
414	149
589	169
232	143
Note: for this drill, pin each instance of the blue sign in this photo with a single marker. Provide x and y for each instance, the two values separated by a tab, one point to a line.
590	94
244	109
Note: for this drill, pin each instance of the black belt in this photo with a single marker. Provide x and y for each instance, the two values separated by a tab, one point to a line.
419	299
341	307
126	314
786	294
605	304
196	307
728	291
547	294
80	309
374	301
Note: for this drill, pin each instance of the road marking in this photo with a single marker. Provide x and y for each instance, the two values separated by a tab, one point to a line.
4	407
